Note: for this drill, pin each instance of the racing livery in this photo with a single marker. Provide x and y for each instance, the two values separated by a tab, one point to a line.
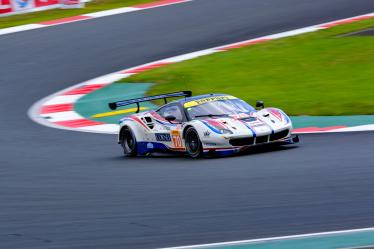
216	124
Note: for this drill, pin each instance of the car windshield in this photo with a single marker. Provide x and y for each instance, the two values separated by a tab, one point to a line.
217	107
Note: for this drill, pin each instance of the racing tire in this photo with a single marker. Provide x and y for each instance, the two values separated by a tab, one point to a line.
128	142
194	147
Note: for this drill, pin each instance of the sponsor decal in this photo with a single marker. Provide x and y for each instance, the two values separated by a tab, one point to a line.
177	141
206	100
20	5
175	132
41	3
70	4
210	144
150	146
163	137
176	138
5	7
206	133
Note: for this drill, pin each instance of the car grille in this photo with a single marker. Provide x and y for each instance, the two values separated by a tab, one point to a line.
261	139
241	141
279	135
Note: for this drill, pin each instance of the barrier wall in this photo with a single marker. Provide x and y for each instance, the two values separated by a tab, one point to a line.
11	7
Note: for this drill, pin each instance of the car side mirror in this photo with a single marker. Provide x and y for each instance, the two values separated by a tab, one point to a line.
170	118
260	104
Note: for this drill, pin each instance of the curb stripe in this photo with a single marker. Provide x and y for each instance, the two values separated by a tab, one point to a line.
333	24
55	110
145	68
63	99
158	3
78	123
245	44
65	20
84	89
317	129
62	116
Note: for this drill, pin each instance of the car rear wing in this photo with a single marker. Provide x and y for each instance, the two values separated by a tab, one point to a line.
115	105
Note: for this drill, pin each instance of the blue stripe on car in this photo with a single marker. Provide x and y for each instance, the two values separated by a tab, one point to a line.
211	127
253	132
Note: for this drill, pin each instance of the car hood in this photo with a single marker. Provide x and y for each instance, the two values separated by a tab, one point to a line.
264	121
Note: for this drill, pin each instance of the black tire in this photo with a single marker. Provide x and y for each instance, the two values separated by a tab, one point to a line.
193	144
128	142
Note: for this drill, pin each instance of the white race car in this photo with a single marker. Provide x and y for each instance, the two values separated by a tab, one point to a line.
211	124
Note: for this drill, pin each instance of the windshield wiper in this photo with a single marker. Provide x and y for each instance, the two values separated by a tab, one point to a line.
212	115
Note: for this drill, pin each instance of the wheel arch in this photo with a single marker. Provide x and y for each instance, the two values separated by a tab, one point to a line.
185	130
130	125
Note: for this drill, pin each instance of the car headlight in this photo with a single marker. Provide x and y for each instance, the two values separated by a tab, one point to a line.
225	131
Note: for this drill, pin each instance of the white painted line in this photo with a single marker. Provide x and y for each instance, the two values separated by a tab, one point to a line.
106	79
63	99
189	56
112	12
20	28
369	127
251	241
104	128
293	32
125	75
62	116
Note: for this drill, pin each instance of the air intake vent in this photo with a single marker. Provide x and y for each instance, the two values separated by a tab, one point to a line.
149	122
242	141
279	135
148	119
261	139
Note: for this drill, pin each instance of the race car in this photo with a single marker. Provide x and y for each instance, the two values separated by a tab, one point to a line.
211	124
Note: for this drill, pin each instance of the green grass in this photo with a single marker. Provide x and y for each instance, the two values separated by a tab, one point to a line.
312	74
40	16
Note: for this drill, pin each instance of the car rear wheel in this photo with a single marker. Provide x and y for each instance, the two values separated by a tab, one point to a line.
128	142
193	144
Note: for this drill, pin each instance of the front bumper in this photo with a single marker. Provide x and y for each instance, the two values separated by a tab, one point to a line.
243	143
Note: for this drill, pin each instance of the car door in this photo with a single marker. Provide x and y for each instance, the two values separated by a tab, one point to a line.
172	129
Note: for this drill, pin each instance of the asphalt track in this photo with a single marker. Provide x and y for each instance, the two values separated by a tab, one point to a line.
64	189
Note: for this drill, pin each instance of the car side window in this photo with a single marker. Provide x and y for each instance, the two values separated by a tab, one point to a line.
172	110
